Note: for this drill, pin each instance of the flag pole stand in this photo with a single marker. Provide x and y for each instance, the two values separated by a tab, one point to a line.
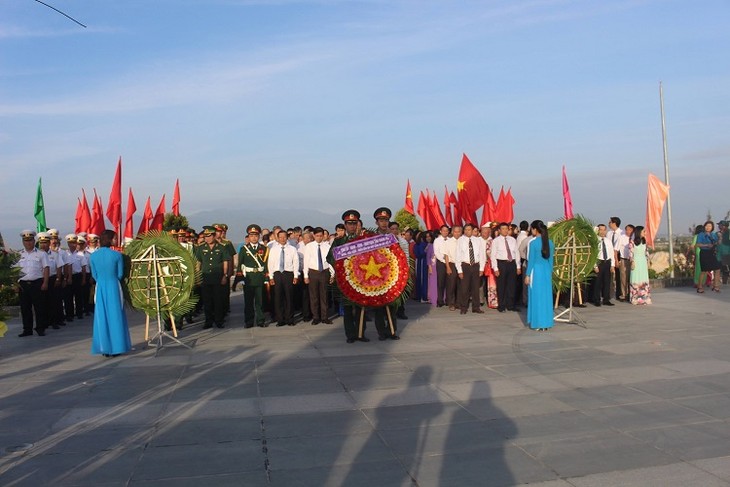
569	314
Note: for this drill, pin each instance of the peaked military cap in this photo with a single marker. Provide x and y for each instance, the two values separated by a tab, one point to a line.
53	233
253	228
43	237
208	230
351	216
382	212
28	235
71	237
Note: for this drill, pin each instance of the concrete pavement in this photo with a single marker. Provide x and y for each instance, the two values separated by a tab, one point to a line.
639	397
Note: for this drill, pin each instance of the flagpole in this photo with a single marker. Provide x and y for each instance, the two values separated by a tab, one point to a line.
666	181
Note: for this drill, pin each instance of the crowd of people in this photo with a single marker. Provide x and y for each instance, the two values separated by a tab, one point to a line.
288	275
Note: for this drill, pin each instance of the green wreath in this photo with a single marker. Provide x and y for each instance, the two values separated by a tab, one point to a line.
585	257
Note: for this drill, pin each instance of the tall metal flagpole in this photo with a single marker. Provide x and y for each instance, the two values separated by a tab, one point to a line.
666	181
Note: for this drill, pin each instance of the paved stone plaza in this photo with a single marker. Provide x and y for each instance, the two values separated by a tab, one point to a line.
639	397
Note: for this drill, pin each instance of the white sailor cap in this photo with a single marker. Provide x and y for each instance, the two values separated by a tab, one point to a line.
82	234
43	237
71	237
80	238
52	232
28	235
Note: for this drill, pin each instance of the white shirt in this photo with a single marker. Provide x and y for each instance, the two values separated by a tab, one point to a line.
439	248
54	263
522	237
499	251
291	259
462	252
623	247
614	236
450	249
300	253
311	261
32	264
609	249
76	260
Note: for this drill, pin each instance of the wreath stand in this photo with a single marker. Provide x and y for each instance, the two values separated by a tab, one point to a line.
159	291
569	253
360	330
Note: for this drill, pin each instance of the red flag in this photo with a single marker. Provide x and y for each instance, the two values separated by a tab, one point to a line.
447	207
176	199
131	209
456	208
422	209
656	196
97	216
77	218
114	208
159	219
144	225
509	212
85	220
472	189
437	217
567	200
408	205
499	212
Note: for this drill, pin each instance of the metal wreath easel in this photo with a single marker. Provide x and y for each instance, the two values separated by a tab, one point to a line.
152	260
571	248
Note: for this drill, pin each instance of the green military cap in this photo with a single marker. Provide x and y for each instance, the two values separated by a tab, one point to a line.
351	216
382	212
253	228
221	227
208	230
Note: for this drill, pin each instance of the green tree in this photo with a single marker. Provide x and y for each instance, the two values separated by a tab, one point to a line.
406	220
8	279
174	222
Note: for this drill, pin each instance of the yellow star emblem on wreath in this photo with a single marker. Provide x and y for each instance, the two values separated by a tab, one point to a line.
372	268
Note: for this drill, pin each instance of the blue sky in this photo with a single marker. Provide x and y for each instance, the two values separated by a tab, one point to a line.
327	105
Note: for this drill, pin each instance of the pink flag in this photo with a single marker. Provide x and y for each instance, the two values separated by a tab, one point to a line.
567	200
655	198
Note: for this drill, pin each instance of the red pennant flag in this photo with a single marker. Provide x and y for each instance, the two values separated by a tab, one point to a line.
437	217
85	221
114	209
656	196
159	219
567	200
176	199
144	225
472	189
422	208
456	208
447	207
408	205
77	218
97	217
131	209
509	212
499	213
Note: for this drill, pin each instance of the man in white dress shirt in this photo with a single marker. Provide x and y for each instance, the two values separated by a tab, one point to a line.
439	249
522	240
318	273
283	274
74	294
507	265
623	252
32	285
614	234
452	276
604	269
469	266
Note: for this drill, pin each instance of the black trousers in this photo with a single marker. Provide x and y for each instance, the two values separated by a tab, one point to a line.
506	282
55	302
602	282
469	287
213	303
349	313
440	283
317	289
33	303
452	285
302	290
73	297
380	316
283	296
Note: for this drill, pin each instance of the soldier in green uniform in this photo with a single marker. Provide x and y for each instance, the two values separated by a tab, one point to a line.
221	231
213	263
382	219
252	263
351	219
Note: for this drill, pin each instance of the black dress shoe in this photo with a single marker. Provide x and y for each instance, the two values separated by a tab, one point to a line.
292	323
350	340
26	334
306	320
55	327
597	304
281	323
363	339
401	316
327	322
220	325
478	311
207	325
501	310
608	303
382	338
316	322
41	333
248	325
463	312
394	337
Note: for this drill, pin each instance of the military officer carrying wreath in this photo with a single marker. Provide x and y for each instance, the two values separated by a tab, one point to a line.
252	260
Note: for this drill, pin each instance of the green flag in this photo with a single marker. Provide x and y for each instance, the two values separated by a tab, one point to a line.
40	209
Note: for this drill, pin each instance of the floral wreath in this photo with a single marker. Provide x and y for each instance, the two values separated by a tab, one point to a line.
374	278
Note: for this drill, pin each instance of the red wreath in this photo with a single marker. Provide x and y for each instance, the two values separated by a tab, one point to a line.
374	278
